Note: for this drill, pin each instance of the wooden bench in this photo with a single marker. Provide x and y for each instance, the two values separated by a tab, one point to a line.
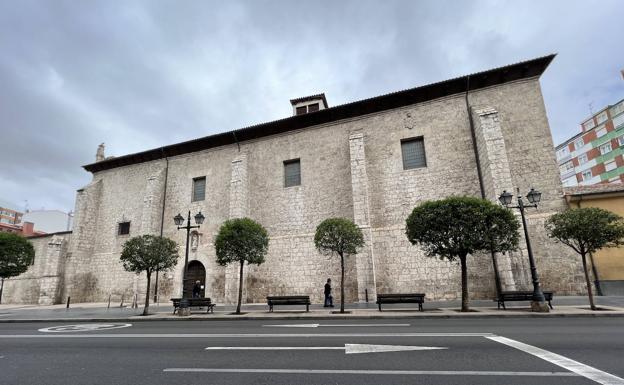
289	300
508	296
194	302
418	298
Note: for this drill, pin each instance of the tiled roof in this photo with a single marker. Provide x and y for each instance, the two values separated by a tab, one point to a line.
460	85
602	188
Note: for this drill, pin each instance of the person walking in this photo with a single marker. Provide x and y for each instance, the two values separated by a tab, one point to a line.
329	300
197	289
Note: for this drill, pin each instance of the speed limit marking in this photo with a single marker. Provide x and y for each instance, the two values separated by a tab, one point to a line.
83	328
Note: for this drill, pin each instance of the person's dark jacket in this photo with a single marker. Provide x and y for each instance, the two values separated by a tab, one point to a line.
196	290
327	289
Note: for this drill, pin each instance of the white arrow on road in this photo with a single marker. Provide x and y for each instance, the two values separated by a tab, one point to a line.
348	348
334	325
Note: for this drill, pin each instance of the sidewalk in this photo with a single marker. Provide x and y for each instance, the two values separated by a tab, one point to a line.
96	312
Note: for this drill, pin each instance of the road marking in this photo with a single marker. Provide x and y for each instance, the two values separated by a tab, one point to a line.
581	369
285	335
82	328
348	348
334	325
397	372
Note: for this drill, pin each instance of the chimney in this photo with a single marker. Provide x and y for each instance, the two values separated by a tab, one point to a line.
28	229
99	155
308	104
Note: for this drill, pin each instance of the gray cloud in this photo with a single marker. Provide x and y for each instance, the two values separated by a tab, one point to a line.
141	74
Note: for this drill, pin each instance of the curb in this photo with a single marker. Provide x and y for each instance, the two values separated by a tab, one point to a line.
320	317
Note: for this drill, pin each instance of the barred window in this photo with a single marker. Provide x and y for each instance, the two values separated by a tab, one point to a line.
292	173
313	107
413	151
199	189
301	110
124	228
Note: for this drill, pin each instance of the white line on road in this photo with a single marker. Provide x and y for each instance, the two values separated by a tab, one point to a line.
397	372
348	348
334	325
262	335
581	369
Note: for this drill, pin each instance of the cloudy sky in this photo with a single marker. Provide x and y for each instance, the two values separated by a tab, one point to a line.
141	74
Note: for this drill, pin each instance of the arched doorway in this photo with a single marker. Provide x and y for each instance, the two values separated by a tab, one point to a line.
195	272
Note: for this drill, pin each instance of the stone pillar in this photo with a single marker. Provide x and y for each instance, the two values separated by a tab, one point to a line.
364	260
152	201
238	209
51	280
84	231
496	174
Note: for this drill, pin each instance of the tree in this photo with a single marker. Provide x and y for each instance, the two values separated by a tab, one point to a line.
241	240
586	230
16	255
342	237
149	253
455	227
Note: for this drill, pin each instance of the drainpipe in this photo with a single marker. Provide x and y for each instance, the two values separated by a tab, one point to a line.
480	175
162	217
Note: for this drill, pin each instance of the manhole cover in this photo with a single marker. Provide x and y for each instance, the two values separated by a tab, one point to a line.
83	328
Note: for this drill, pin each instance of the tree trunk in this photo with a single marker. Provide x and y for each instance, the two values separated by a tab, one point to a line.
589	289
342	291
464	283
1	288
240	287
149	276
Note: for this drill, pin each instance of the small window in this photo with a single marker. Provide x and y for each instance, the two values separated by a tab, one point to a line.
587	175
301	110
582	158
199	189
617	109
618	121
605	148
413	151
610	165
578	144
563	152
602	117
292	173
601	132
124	228
589	125
621	140
313	107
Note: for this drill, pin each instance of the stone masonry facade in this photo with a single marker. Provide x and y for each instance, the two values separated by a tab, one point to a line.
350	168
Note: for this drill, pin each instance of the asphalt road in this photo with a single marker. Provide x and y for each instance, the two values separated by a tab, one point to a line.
482	351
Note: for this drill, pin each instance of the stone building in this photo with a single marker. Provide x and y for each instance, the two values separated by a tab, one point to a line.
372	161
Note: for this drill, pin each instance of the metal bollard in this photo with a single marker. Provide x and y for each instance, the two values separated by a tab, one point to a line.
109	298
366	293
68	300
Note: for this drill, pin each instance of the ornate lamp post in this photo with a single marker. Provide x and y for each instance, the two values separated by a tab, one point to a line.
538	302
179	220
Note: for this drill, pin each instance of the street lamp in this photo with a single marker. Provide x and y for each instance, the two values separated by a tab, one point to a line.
179	220
538	302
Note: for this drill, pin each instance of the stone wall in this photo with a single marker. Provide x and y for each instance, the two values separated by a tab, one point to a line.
352	169
43	282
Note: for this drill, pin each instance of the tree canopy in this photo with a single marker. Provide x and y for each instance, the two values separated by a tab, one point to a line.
587	229
149	253
241	240
338	235
342	237
455	226
16	255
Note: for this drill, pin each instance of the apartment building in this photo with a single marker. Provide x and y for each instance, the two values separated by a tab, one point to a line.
595	155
